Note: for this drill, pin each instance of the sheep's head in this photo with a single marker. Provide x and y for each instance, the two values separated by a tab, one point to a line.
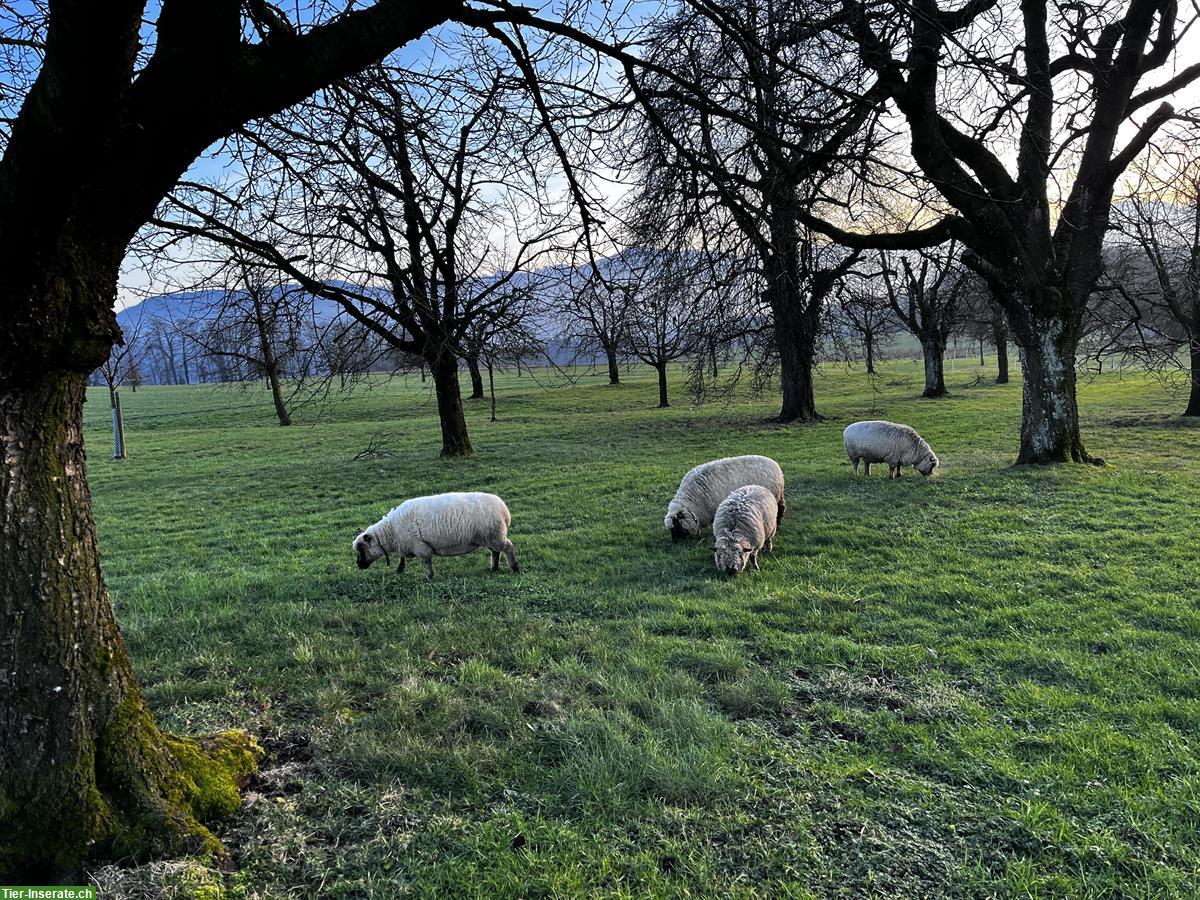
732	557
682	523
368	549
927	465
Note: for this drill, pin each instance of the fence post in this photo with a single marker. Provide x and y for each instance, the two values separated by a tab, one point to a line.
118	428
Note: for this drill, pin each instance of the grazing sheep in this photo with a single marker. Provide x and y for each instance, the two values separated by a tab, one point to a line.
441	525
746	523
896	445
702	490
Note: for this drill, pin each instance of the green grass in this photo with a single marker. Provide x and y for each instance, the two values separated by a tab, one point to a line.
982	684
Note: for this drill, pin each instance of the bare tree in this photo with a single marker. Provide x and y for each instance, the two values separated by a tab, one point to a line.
1157	272
868	314
1065	82
396	219
735	139
671	304
928	301
597	317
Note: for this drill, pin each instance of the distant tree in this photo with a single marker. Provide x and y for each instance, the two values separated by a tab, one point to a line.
928	300
868	314
671	303
597	317
256	322
1157	269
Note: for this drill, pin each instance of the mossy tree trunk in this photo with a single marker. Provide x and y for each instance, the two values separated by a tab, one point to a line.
84	771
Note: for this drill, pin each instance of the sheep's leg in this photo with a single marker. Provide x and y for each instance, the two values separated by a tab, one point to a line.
510	551
400	568
866	467
781	508
770	546
428	560
754	560
495	567
855	461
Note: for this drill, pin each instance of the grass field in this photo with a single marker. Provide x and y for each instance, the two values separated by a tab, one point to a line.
982	684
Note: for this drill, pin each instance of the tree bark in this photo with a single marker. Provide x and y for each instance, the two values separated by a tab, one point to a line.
1000	339
1049	412
444	369
662	386
84	771
492	387
796	322
935	368
476	377
1193	407
869	348
614	373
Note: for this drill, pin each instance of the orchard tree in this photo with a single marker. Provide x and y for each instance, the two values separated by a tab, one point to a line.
927	294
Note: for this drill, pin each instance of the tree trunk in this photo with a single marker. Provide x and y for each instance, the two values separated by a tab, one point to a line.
796	321
84	771
1049	412
1193	407
662	386
476	377
1000	339
712	358
444	369
869	347
277	396
935	368
614	373
982	358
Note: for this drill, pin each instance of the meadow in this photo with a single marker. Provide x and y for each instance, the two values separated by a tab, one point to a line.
981	684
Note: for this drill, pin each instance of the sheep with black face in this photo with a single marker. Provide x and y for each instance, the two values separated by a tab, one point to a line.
703	488
441	525
746	524
889	442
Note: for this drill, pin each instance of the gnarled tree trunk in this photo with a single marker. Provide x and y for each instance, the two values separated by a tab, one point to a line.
1049	412
84	771
934	354
443	366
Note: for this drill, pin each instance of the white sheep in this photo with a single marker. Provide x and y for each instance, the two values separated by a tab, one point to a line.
896	445
745	525
441	525
701	491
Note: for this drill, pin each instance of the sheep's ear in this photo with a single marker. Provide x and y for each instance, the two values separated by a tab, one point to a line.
366	538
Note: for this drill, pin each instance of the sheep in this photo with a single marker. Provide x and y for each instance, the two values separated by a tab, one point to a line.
703	488
896	445
746	524
441	525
